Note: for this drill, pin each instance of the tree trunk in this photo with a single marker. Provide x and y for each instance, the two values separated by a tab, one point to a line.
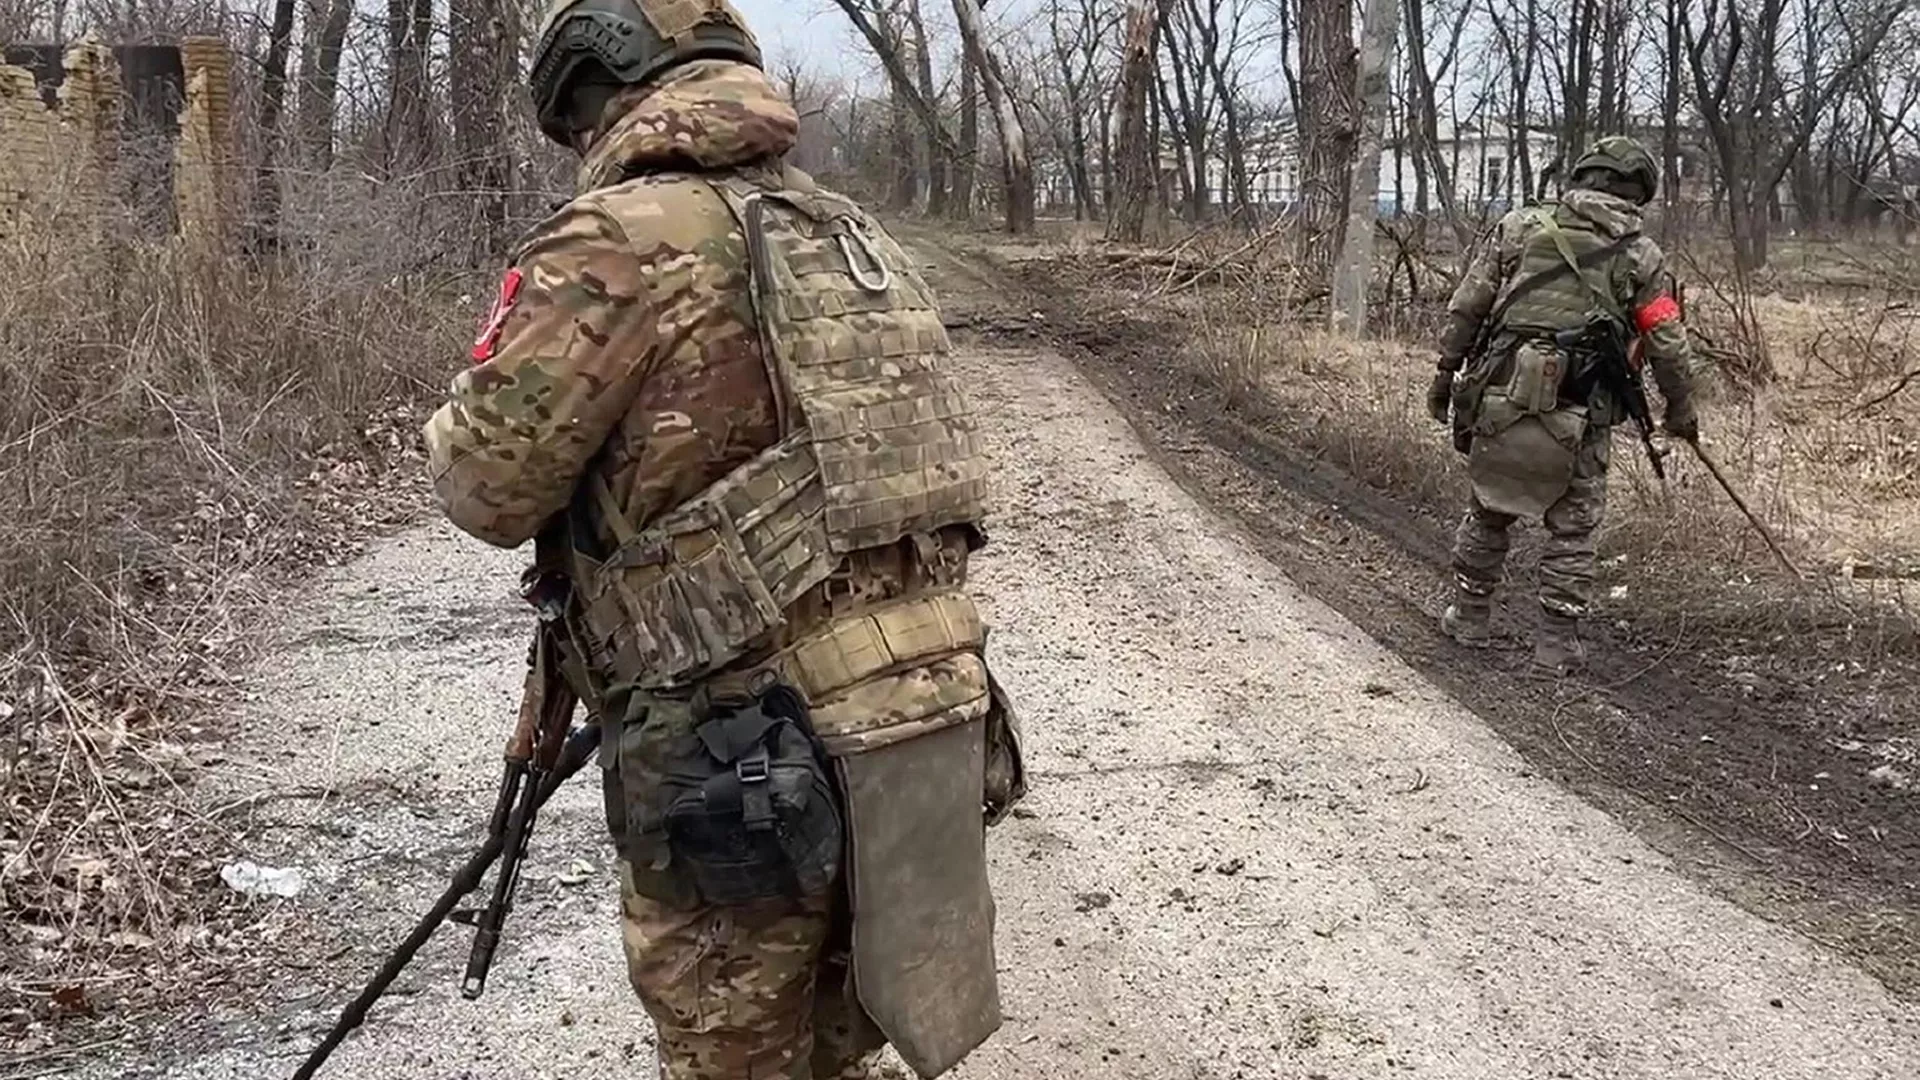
1127	219
1349	307
905	188
483	36
1180	134
1016	166
1670	105
273	94
1327	127
317	102
886	46
1077	169
967	159
1429	165
1186	112
939	152
408	141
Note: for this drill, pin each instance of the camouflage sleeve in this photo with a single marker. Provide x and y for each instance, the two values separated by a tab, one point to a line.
1473	298
1657	318
556	366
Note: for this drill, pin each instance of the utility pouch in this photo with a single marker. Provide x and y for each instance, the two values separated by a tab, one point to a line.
1539	369
1006	770
751	811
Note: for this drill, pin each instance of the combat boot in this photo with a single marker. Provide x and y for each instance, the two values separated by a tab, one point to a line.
1468	620
1557	648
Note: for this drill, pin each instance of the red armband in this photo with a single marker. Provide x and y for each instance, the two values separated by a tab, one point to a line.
1658	312
496	319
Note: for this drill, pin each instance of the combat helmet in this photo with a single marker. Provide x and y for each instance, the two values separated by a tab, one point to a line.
1624	158
626	43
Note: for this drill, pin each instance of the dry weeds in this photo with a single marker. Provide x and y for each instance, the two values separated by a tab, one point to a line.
180	427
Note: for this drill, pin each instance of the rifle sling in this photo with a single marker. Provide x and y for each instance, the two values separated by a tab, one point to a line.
1569	264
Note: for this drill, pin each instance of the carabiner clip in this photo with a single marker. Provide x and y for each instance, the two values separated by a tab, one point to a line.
879	284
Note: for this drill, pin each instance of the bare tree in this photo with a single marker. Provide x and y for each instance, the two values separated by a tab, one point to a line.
1139	159
409	125
1206	43
1757	120
1423	75
1016	166
317	104
881	23
485	36
1329	125
939	152
967	159
1349	307
1076	39
273	93
1518	30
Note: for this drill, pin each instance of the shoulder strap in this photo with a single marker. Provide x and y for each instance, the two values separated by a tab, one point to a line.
1569	264
1602	294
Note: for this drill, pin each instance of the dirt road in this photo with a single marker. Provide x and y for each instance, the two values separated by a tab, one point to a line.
1258	845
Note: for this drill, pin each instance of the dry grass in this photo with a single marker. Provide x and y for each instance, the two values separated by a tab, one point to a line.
179	425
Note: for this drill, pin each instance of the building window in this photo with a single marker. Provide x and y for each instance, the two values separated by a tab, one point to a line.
1493	181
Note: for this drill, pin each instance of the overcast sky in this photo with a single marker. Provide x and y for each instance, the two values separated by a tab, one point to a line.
814	30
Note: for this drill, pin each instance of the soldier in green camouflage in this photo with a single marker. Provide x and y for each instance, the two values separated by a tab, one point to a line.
717	395
1535	452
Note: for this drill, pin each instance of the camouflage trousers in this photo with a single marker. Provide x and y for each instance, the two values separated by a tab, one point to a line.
749	992
1566	562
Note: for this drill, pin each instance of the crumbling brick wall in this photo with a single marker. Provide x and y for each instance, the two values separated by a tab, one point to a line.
203	160
56	159
60	148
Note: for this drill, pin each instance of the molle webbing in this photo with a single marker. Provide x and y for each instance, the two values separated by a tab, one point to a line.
855	345
1562	271
878	446
850	651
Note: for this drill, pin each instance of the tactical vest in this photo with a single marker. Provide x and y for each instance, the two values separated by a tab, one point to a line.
1563	302
879	450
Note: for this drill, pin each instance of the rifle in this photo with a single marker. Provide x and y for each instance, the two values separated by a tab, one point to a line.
541	754
1609	357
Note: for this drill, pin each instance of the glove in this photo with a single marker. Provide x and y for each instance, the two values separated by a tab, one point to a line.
1682	422
1440	396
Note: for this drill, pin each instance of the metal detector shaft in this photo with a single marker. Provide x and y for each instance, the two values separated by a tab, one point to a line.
1753	519
579	749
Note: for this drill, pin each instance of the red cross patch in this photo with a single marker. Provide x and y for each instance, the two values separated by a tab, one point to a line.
483	345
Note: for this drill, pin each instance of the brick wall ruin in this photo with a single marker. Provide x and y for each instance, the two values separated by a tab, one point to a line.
88	132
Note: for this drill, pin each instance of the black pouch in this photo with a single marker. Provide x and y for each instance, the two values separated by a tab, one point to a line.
751	809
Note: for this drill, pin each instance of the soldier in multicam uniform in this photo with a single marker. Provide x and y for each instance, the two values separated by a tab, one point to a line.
717	397
1535	453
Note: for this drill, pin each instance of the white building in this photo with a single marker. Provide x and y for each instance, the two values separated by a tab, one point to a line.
1481	160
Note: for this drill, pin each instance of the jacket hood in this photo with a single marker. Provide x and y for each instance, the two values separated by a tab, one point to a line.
1608	214
709	116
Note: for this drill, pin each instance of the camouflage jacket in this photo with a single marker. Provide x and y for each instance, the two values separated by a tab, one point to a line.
1598	227
625	346
624	338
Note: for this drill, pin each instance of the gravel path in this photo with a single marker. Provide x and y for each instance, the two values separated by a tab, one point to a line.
1258	845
